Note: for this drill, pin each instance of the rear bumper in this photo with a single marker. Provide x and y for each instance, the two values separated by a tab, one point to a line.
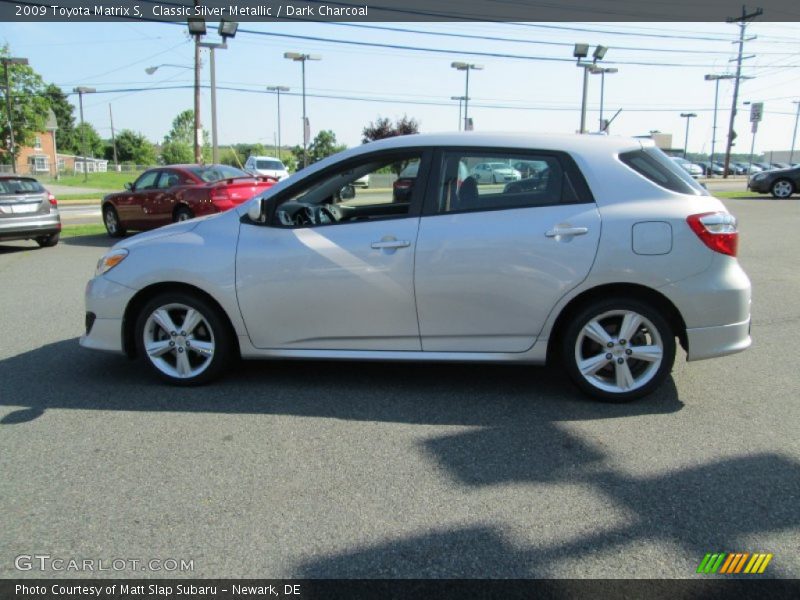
710	342
20	228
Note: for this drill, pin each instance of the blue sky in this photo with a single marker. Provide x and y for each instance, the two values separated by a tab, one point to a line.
509	94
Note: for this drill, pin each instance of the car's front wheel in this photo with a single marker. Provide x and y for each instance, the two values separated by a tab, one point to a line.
184	339
782	188
618	350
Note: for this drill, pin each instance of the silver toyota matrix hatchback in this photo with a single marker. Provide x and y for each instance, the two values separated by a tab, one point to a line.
598	257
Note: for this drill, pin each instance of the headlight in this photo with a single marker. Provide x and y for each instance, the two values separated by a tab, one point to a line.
109	261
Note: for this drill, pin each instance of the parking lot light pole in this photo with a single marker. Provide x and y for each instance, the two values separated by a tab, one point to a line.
197	29
302	58
794	135
11	61
466	67
227	29
602	72
688	117
81	91
716	79
278	89
582	51
460	99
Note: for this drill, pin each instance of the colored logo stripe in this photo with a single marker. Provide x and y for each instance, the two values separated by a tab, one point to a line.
732	563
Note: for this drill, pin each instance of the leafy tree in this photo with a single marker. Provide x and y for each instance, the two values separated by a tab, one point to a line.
29	107
133	148
181	137
94	144
66	137
323	145
382	128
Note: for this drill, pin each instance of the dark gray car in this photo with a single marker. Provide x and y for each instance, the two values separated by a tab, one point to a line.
28	211
781	183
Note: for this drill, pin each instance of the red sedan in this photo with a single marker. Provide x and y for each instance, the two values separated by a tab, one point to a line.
176	193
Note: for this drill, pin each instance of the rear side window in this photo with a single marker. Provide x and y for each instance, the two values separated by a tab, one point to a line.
656	166
20	186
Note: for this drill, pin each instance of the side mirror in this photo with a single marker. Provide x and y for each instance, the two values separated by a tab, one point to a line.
348	192
128	186
260	211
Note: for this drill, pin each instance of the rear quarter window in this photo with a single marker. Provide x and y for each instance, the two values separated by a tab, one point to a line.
656	166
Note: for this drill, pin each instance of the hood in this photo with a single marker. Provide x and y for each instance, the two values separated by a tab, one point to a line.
162	232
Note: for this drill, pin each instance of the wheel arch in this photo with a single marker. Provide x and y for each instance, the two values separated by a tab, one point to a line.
147	293
630	290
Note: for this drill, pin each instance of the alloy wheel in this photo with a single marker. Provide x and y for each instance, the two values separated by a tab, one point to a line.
178	340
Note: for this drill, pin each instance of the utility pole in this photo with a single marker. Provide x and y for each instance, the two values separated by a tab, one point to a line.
794	135
113	137
742	22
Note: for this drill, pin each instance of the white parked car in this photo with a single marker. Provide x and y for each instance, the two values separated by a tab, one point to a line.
601	268
694	170
494	172
266	165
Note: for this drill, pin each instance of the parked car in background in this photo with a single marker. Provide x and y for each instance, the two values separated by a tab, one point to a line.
28	211
362	182
747	168
494	172
266	165
461	272
781	183
165	195
711	170
694	170
781	165
764	166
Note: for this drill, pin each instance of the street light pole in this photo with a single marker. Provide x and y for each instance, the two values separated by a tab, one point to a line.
460	99
302	58
688	117
11	61
81	91
197	29
227	29
582	51
716	79
794	135
278	89
602	72
462	66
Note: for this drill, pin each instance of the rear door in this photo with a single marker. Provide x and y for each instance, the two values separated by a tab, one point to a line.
493	259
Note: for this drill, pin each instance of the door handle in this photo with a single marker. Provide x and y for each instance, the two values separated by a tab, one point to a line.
390	244
566	231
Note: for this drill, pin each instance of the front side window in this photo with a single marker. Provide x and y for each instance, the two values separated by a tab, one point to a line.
336	199
146	181
472	181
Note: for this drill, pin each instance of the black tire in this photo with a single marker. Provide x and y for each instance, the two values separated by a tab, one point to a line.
214	328
48	241
780	188
610	312
111	220
183	213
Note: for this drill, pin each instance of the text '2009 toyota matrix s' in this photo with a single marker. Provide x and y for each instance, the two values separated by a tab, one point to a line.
599	257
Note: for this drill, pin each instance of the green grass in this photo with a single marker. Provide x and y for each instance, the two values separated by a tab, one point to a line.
81	230
103	181
67	198
737	194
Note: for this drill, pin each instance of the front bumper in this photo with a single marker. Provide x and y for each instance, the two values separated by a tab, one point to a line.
107	301
762	186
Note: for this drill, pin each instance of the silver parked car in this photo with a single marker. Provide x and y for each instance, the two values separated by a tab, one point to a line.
599	264
266	165
28	211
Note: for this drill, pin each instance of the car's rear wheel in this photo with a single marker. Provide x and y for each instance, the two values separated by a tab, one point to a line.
111	221
618	350
48	241
184	338
183	214
783	188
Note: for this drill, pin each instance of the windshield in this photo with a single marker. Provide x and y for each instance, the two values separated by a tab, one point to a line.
270	165
214	173
20	186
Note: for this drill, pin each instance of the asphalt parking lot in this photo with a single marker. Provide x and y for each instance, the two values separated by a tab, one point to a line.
312	469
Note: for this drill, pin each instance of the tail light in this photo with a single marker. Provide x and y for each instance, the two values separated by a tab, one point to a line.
220	194
717	230
402	184
52	199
